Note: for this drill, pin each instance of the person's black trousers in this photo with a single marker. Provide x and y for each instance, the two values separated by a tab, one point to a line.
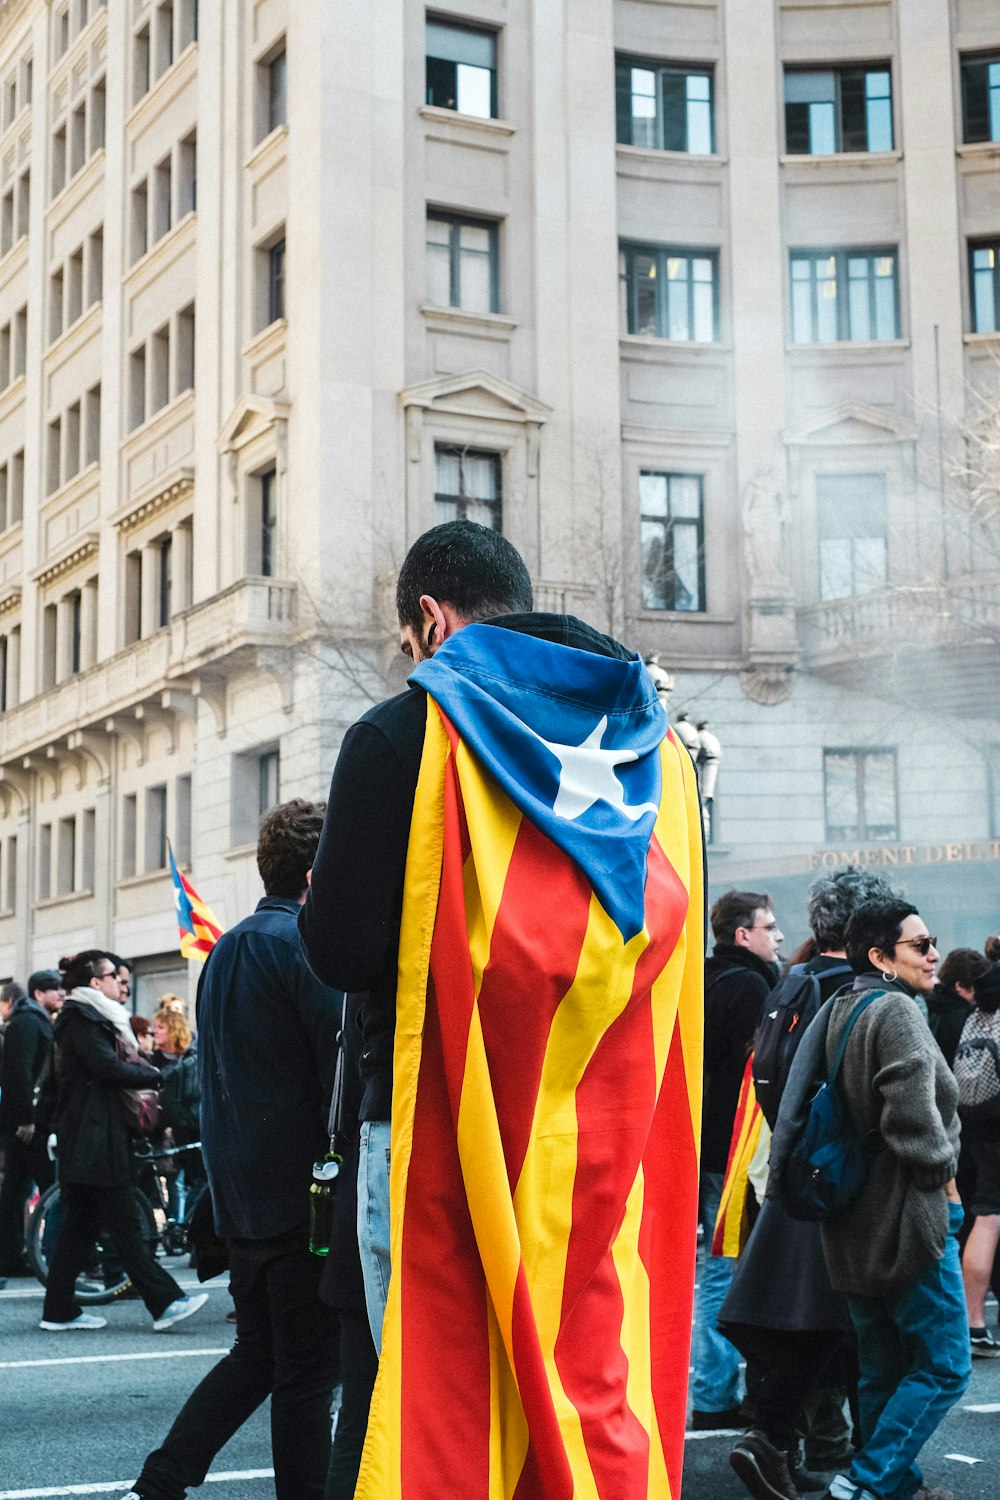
24	1166
88	1212
286	1347
358	1368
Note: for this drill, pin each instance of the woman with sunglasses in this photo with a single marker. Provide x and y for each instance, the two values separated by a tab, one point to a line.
894	1251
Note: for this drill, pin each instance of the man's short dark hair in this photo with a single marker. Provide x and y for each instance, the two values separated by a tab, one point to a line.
78	969
12	991
875	924
736	909
833	898
471	567
286	846
964	966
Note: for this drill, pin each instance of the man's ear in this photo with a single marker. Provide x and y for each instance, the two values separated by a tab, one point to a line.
435	622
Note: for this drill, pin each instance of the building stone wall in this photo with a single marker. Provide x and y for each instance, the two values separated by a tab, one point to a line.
204	495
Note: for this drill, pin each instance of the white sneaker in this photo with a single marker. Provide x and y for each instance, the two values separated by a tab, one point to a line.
182	1307
82	1320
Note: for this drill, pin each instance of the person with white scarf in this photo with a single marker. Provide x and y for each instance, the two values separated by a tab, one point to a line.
95	1157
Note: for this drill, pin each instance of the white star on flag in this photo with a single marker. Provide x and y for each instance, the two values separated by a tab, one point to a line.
587	776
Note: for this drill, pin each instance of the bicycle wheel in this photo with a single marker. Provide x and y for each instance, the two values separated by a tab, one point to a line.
106	1281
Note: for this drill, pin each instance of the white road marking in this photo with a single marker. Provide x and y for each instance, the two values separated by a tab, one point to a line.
689	1437
989	1407
122	1484
35	1289
108	1359
963	1458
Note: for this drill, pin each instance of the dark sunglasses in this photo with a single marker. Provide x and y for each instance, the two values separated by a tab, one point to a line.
923	945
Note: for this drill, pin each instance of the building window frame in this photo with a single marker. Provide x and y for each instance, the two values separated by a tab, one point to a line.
661	260
457	253
838	267
440	81
671	527
862	574
985	124
984	286
463	501
841	134
864	828
664	76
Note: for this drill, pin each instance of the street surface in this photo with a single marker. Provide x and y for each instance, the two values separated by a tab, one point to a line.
79	1412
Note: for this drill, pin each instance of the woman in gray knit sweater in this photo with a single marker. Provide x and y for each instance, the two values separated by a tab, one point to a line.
894	1252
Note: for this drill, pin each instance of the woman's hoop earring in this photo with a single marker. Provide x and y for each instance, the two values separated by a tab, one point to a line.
889	975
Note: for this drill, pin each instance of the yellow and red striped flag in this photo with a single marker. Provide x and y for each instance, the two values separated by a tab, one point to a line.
199	929
544	1154
731	1228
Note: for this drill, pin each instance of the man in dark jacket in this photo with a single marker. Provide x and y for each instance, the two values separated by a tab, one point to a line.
267	1042
26	1066
950	1002
455	574
739	976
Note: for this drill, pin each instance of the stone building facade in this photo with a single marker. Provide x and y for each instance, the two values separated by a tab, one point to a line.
698	300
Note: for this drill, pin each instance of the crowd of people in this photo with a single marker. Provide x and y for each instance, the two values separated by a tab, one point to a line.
856	1328
858	1331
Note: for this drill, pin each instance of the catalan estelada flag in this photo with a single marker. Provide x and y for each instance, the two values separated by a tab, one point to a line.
199	929
546	1088
731	1228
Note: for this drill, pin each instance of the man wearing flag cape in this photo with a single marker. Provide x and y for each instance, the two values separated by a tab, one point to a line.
511	869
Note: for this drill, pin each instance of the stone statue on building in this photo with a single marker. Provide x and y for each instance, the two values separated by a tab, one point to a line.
764	515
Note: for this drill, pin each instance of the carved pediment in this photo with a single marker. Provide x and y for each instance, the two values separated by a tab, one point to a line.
852	422
476	393
251	417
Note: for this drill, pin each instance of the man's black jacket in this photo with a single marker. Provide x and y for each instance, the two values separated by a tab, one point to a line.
350	922
94	1144
947	1013
27	1052
737	983
267	1050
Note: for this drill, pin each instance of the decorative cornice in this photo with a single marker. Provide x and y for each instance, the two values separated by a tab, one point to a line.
10	600
11	12
160	497
84	546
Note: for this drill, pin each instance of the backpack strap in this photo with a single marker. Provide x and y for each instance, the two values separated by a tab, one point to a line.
838	1060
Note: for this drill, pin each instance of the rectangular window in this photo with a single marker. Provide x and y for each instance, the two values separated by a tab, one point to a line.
844	296
140	222
66	857
182	820
129	826
984	280
162	199
71	442
59	161
268	523
276	281
45	861
98	116
185	350
268	781
75	631
5	697
467	487
74	287
140	64
7	221
981	98
852	530
462	264
665	108
49	640
164	36
77	138
15	489
156	828
23	203
137	387
53	456
160	385
277	92
860	794
838	109
672	541
164	584
87	850
187	195
95	268
669	293
10	875
92	426
133	597
462	69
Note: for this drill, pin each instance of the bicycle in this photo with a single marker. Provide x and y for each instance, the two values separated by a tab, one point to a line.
161	1230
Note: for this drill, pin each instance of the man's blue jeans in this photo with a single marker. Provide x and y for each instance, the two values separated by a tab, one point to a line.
373	1220
915	1364
715	1383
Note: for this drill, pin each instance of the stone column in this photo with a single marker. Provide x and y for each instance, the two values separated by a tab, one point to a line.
64	638
150	564
88	624
14	667
182	539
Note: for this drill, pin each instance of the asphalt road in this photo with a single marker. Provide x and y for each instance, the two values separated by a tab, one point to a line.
79	1412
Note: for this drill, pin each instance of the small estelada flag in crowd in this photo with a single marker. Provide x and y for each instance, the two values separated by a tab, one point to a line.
731	1225
199	928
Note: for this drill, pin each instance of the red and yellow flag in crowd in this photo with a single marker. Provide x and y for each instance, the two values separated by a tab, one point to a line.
731	1228
545	1117
199	930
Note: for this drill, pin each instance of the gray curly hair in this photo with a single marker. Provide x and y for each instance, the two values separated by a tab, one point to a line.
833	899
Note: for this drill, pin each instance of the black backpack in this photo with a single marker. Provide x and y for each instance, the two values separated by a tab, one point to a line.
180	1097
791	1005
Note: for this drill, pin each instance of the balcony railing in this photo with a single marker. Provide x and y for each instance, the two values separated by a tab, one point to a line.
955	612
252	613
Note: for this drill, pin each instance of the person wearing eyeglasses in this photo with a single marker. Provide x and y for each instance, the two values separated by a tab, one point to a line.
894	1251
739	977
